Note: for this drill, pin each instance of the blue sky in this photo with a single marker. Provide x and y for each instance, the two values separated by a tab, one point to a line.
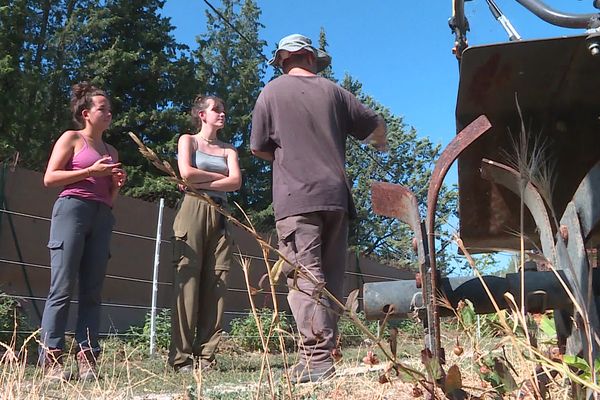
400	50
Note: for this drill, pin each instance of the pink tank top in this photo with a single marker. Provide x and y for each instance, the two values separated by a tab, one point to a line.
91	188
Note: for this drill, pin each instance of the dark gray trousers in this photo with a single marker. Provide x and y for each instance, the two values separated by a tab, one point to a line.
79	249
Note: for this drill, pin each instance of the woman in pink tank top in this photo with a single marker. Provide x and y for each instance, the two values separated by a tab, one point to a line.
88	170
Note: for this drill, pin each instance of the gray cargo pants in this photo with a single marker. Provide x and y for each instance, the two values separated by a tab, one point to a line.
79	248
317	241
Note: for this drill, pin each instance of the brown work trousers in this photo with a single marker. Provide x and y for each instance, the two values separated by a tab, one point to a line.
317	243
202	254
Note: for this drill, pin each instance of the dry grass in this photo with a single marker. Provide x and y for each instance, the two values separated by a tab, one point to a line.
125	373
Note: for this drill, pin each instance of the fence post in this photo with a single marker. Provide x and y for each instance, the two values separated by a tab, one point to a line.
161	205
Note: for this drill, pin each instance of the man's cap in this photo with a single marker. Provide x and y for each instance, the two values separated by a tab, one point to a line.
296	42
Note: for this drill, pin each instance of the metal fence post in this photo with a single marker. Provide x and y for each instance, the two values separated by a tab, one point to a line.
161	206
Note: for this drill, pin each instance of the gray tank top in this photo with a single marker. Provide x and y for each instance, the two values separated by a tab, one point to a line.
211	163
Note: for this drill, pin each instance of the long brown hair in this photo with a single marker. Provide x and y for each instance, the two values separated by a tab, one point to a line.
201	104
81	99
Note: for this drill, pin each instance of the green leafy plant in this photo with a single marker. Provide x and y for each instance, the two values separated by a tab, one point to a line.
139	336
12	319
350	334
469	322
410	327
495	371
581	366
244	331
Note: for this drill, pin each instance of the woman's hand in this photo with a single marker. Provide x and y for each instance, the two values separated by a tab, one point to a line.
101	168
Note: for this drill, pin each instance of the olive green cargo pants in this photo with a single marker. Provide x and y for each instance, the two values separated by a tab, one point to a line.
202	253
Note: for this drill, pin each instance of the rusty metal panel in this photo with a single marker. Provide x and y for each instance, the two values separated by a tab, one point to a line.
397	201
557	83
509	178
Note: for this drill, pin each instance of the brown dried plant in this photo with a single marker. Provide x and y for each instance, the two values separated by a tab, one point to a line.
531	157
274	271
536	358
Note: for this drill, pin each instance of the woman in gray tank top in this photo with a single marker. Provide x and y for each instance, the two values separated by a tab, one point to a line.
202	246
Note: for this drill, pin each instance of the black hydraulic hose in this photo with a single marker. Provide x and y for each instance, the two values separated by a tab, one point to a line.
508	27
494	9
558	18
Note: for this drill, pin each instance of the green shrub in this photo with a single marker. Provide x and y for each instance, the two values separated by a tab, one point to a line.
410	327
11	317
351	335
244	331
467	320
139	336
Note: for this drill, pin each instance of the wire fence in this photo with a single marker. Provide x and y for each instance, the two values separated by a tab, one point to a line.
236	313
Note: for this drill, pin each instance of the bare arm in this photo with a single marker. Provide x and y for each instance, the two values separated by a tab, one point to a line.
265	155
378	138
185	149
63	150
230	183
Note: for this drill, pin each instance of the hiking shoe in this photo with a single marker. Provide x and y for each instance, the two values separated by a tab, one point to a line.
301	373
204	365
198	364
86	364
53	366
184	369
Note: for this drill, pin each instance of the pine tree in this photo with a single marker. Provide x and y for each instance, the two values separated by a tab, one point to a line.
409	162
33	110
233	69
127	48
327	72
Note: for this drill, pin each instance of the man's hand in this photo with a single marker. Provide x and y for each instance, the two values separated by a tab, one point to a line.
378	138
265	155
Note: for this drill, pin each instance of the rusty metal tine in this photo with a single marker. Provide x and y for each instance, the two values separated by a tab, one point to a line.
579	219
510	178
462	140
587	200
573	258
397	201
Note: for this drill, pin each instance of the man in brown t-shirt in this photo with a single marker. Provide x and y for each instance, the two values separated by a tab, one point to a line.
300	123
